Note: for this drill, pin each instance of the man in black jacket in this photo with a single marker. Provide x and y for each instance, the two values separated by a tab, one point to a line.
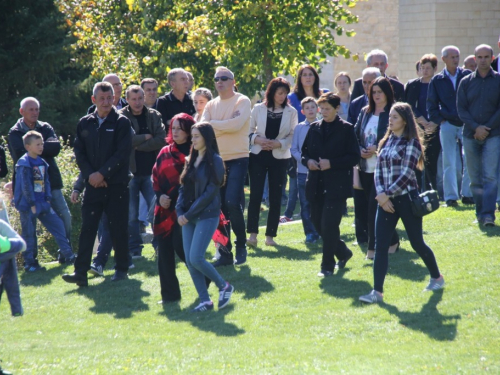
30	110
378	59
102	147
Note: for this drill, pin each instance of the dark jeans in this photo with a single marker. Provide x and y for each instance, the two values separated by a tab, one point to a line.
305	213
432	151
326	215
136	186
232	194
293	196
260	165
384	227
112	200
360	213
167	248
368	184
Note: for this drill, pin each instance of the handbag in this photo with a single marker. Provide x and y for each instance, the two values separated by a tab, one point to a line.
356	181
425	203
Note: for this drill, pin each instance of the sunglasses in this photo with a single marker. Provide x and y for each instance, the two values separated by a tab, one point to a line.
223	78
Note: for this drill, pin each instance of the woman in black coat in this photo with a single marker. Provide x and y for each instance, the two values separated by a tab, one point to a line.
330	151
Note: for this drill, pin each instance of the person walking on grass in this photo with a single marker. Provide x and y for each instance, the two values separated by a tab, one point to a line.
400	153
330	152
198	209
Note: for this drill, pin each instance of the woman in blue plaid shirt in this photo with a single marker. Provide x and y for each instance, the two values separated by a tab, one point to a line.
399	155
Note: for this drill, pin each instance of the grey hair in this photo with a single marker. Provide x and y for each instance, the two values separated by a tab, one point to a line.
102	86
203	92
223	68
483	46
29	99
444	51
371	70
135	89
376	52
172	73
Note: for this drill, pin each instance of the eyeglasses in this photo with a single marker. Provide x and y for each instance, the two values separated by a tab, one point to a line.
223	78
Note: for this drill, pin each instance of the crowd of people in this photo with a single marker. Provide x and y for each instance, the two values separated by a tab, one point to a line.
181	161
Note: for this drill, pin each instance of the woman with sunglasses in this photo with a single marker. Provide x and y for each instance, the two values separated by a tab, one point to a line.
198	208
271	133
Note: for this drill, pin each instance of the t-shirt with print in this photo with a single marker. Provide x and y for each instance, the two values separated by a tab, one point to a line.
39	170
370	139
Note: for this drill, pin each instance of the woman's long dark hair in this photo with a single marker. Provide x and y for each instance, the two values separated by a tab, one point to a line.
185	122
298	89
273	86
411	130
212	148
386	87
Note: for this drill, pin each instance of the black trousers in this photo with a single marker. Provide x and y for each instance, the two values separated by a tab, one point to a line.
432	151
113	200
360	214
326	215
168	246
368	184
261	164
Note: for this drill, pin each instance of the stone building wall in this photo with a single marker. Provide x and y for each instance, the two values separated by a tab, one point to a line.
408	29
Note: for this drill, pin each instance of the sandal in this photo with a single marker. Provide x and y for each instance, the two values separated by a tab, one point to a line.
252	243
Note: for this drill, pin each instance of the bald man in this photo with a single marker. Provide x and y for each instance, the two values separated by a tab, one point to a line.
30	111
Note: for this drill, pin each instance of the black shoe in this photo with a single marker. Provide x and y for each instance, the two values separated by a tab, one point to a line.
451	203
341	263
241	255
74	278
224	260
119	275
467	200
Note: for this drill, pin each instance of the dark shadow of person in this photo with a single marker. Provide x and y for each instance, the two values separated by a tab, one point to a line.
40	278
121	298
339	287
251	286
208	321
429	320
280	251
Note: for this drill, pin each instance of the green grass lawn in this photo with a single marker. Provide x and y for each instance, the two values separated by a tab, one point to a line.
282	319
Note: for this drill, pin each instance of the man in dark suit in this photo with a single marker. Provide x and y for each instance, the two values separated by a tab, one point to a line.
378	59
496	61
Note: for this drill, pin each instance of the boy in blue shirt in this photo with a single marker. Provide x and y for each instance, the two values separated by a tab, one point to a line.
310	111
32	200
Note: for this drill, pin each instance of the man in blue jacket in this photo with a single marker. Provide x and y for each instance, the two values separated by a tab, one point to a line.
442	112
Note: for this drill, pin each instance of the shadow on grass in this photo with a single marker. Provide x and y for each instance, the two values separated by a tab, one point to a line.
280	251
490	231
44	277
208	321
428	320
121	298
250	285
339	287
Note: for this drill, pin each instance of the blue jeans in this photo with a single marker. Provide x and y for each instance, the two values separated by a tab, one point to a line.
196	236
143	210
51	222
483	160
385	225
137	185
305	214
232	194
449	135
60	206
293	195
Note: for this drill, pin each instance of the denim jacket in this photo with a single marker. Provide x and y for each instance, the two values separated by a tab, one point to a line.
24	195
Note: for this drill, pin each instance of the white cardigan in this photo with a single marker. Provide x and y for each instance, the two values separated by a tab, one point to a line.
258	123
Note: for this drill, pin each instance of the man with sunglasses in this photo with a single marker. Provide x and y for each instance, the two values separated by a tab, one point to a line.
176	101
229	115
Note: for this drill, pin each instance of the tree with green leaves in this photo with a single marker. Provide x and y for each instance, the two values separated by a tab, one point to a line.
36	60
257	39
